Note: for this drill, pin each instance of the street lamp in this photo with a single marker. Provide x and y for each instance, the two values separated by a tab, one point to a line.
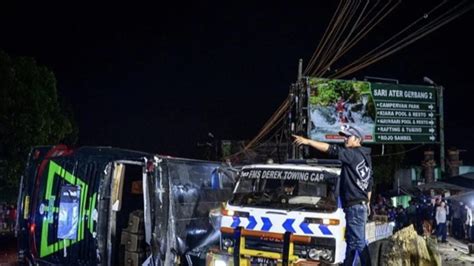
440	90
429	81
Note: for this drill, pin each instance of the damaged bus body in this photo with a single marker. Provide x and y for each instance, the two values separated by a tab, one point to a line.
107	206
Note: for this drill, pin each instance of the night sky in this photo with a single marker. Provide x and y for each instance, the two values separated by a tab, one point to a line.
158	78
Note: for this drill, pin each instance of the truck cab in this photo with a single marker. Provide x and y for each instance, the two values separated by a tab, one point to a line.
283	214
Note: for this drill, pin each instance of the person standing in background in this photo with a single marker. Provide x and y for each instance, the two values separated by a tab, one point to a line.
411	213
441	214
12	218
468	223
457	221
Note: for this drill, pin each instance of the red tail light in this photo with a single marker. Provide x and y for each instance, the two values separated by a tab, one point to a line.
32	228
150	166
36	154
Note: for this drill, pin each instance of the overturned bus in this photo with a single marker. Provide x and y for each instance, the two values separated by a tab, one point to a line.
107	206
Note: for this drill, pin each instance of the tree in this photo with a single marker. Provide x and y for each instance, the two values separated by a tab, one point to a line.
30	115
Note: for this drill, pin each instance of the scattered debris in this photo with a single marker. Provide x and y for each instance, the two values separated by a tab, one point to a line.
406	247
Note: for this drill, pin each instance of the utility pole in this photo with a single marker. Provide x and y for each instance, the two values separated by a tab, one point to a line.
440	91
300	69
294	116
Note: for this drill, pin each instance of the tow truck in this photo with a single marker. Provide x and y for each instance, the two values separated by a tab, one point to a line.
283	214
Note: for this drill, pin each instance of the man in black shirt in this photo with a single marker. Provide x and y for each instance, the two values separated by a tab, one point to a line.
355	187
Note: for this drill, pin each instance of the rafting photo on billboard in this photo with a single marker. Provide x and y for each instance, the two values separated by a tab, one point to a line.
333	103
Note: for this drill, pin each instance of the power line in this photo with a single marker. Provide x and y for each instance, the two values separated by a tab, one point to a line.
370	57
339	38
274	120
321	42
354	27
345	18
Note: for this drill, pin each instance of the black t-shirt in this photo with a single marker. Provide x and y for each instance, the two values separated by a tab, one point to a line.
356	173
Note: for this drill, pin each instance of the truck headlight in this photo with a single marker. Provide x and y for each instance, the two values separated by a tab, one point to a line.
220	263
314	254
326	255
317	254
227	243
217	259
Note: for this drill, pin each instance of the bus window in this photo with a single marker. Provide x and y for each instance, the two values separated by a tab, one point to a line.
69	212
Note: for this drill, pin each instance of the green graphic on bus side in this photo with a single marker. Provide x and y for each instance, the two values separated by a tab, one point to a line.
56	170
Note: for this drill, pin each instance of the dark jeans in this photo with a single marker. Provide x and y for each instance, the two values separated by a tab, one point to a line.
356	218
441	231
470	233
456	227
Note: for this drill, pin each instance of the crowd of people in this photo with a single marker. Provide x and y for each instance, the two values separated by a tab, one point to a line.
7	217
430	216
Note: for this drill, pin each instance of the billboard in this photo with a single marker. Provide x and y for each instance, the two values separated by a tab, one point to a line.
383	113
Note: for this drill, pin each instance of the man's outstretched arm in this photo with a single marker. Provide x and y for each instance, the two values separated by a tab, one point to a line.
320	146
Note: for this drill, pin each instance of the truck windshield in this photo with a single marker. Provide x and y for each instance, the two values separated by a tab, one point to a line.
290	193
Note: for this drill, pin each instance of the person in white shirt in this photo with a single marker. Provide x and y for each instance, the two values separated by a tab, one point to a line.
468	222
441	221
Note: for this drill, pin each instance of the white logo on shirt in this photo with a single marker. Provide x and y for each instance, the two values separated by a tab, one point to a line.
363	171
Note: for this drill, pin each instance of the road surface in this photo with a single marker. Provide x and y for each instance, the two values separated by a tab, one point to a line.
7	249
